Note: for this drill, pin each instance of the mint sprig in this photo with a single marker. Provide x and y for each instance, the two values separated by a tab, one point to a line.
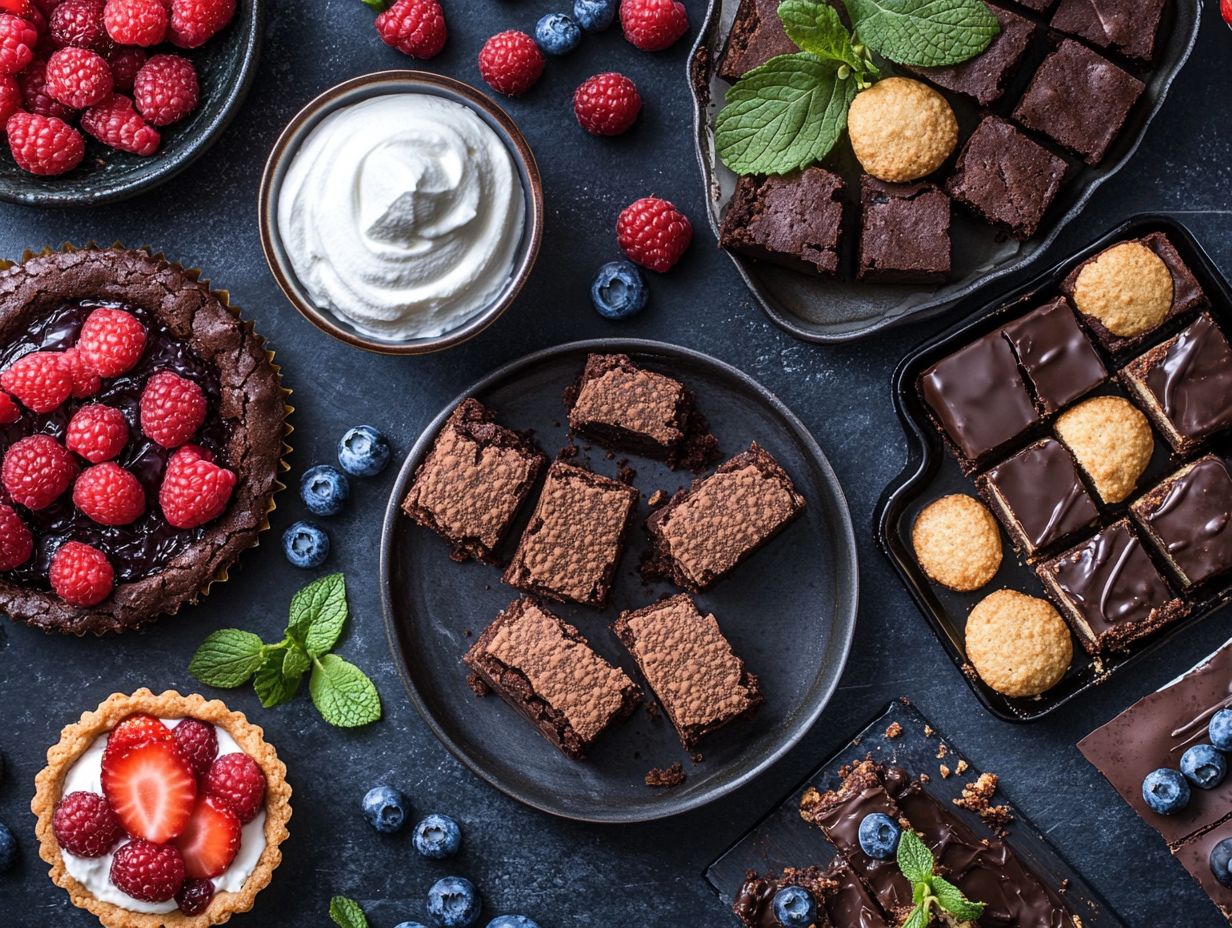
924	33
342	693
346	913
928	889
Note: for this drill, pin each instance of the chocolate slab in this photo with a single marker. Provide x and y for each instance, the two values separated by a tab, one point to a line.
1195	856
1187	517
1059	360
754	906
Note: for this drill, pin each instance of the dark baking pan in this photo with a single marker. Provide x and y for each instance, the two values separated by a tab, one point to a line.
783	839
931	471
819	310
800	588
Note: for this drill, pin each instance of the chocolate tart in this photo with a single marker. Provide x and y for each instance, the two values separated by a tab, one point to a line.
191	330
78	737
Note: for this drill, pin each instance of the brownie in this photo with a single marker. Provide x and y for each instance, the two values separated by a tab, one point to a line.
984	77
545	668
573	541
754	905
1058	359
1127	27
1039	497
1006	178
473	481
689	664
795	220
706	530
1185	384
1187	517
904	232
1079	99
1110	591
1195	856
756	36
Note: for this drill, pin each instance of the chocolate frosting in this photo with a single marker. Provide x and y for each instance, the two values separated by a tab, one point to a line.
1190	514
1058	358
848	904
1042	488
1193	381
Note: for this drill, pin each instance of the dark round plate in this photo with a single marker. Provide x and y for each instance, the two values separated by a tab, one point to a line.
225	68
790	611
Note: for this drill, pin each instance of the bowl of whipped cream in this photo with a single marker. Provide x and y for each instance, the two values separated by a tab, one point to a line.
401	212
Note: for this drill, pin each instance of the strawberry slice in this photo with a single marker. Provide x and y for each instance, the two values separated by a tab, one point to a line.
151	789
210	841
137	730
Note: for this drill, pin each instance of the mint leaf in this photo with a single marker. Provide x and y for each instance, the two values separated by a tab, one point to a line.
950	898
343	695
273	685
915	860
918	918
783	115
924	33
318	612
227	658
815	27
346	913
295	661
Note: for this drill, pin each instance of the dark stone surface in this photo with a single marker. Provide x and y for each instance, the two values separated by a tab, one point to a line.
558	872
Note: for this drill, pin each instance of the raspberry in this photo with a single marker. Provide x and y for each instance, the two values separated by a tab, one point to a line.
165	89
146	871
511	62
45	145
136	22
97	432
41	380
237	782
85	381
198	745
111	341
653	233
109	495
78	77
36	471
172	409
607	104
125	62
414	27
11	99
653	25
117	123
9	413
194	22
85	825
17	41
194	896
33	82
81	576
79	23
16	542
195	490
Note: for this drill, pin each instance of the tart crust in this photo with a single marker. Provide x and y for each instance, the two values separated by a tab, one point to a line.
76	738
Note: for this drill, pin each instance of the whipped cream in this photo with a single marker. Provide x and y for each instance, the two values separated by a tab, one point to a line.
402	215
94	873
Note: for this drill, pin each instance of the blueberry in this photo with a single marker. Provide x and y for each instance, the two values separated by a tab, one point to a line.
385	809
363	451
557	34
1165	791
794	907
1221	862
1203	766
594	15
453	902
1220	729
437	837
879	836
305	545
512	921
8	848
324	490
619	290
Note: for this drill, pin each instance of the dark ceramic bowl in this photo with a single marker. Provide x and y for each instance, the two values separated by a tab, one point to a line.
225	68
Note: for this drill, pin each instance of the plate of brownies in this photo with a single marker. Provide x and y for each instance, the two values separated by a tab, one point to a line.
590	563
1054	106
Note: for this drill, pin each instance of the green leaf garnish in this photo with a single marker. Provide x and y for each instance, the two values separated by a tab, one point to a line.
950	898
227	658
295	662
815	27
924	33
917	919
318	612
273	686
346	913
915	861
343	695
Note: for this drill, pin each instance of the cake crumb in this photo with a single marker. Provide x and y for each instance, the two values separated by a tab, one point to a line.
945	772
977	797
478	687
672	776
624	473
924	778
567	453
929	731
657	499
698	757
942	750
961	767
652	709
894	730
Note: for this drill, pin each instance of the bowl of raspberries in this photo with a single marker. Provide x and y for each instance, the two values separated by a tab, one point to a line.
103	99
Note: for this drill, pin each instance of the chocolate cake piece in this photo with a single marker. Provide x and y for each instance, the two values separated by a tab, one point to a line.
1195	856
984	77
754	905
756	36
795	220
1188	517
849	904
1058	359
1126	27
904	233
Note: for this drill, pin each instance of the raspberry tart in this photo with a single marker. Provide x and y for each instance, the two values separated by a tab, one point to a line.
142	428
162	811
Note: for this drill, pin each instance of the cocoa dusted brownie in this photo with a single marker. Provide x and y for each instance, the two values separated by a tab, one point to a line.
1058	359
1006	178
473	482
1127	27
795	220
703	532
754	905
689	664
573	542
904	233
546	670
756	36
1188	517
984	77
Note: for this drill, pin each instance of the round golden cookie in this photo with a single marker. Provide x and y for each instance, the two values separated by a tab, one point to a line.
901	129
1018	644
1128	288
1112	442
957	542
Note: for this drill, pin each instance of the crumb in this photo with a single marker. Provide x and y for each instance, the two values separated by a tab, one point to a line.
567	453
478	687
487	587
929	731
924	778
624	473
652	709
698	758
672	776
657	499
609	455
977	797
945	772
942	750
961	767
894	730
466	633
855	742
1064	887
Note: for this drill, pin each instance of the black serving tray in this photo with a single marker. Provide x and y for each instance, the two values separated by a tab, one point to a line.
782	839
931	472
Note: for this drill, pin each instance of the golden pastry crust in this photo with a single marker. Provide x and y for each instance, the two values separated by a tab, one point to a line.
1111	440
1018	644
957	542
77	738
901	129
1128	288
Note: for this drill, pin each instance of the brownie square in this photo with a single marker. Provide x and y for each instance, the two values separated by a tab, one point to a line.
473	482
756	36
1185	384
574	538
1127	27
689	665
905	232
1039	497
1195	856
1059	360
544	668
1006	178
1187	518
1079	99
984	77
705	531
795	220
